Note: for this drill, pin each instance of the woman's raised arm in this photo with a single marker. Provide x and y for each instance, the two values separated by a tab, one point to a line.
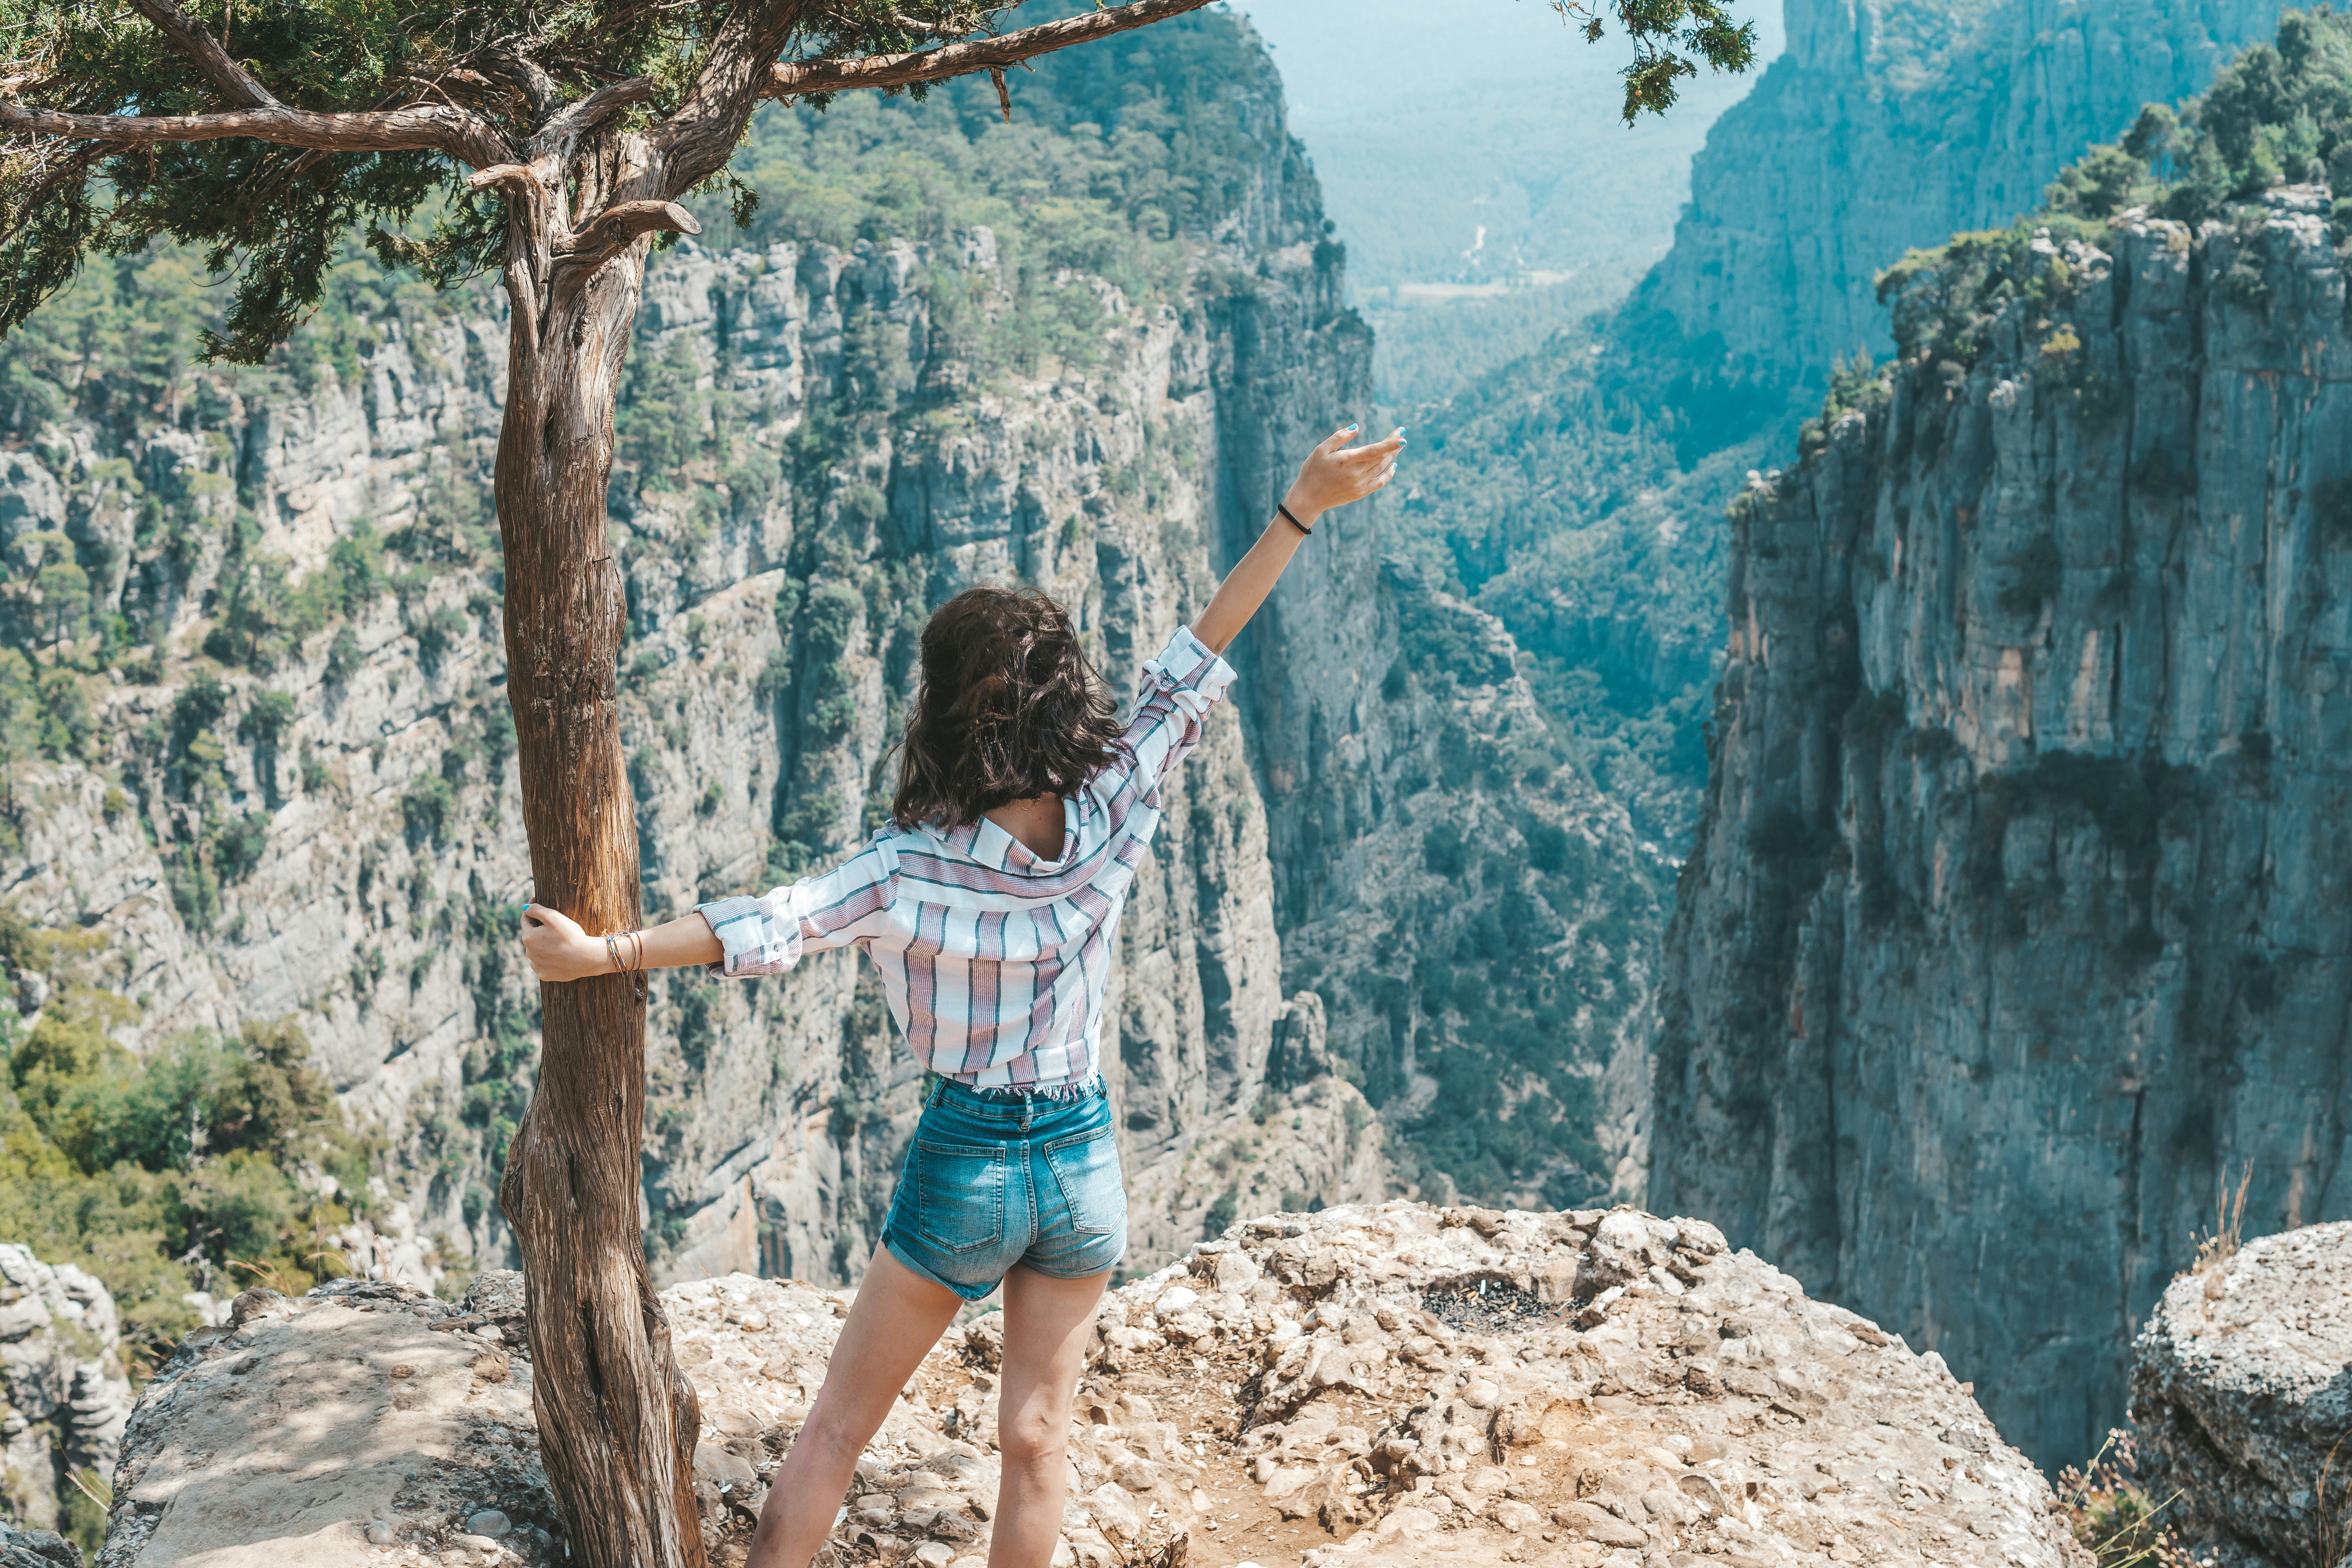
1333	476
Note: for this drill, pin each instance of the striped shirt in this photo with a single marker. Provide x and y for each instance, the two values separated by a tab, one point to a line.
995	960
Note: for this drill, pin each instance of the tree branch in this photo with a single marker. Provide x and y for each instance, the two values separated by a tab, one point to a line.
232	81
799	78
697	141
419	128
585	115
621	222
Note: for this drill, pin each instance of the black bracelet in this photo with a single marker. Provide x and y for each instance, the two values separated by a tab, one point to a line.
1292	520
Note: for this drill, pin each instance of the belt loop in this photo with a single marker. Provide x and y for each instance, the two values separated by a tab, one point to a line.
1028	1110
939	1092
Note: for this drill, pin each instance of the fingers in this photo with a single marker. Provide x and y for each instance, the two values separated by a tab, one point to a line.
1376	450
1330	442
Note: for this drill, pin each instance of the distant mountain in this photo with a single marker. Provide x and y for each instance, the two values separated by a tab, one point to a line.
1885	127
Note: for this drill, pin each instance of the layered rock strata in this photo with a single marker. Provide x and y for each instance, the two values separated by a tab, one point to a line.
1391	1386
64	1390
2242	1396
2021	885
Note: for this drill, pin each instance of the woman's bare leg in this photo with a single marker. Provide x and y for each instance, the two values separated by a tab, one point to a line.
897	1319
1048	1322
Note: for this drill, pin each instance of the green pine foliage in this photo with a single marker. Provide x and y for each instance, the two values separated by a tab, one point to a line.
215	1163
1556	506
2279	114
279	221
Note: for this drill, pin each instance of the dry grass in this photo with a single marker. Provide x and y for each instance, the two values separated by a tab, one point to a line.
2229	1228
2331	1525
1168	1552
2112	1515
93	1485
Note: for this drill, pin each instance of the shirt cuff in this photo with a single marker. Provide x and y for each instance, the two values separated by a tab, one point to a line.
1187	665
756	936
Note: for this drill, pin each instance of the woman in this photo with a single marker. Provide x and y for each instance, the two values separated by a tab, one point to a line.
990	903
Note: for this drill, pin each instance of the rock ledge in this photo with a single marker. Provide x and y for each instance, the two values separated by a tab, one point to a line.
1391	1386
2241	1390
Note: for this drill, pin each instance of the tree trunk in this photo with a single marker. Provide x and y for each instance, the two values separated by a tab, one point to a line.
617	1420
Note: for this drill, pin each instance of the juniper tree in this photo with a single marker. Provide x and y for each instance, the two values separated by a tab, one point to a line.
548	141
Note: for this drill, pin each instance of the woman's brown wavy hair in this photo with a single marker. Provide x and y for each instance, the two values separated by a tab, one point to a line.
1009	707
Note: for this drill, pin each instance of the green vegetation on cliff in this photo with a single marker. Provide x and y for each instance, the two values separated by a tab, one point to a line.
214	1163
2280	114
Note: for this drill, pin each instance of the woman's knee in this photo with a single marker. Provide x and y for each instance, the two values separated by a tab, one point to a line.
1030	1438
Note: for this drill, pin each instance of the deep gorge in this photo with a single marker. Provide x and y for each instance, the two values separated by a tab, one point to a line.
289	791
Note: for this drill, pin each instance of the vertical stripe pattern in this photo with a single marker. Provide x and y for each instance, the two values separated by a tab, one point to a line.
995	960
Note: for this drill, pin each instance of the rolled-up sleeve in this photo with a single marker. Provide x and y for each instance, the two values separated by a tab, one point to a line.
768	934
1179	687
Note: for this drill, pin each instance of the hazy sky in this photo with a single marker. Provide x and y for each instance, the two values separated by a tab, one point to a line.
1339	55
1472	139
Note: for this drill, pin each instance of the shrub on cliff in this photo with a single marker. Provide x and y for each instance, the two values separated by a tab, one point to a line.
2279	114
199	1166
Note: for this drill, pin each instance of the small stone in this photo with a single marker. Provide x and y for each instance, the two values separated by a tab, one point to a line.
491	1522
934	1554
1517	1517
480	1545
1585	1521
1115	1512
380	1532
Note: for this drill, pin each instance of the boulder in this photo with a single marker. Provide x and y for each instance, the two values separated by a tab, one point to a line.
21	1547
64	1394
1391	1386
2241	1391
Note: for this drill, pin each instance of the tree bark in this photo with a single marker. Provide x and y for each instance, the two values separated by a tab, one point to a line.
617	1420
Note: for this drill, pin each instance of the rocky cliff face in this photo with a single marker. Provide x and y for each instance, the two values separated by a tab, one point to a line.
274	814
2240	1393
64	1390
2021	890
771	653
1391	1386
1885	127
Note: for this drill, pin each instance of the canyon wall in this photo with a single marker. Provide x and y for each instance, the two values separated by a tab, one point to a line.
765	674
1885	127
2016	925
265	816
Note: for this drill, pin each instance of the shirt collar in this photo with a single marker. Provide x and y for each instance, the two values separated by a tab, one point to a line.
991	847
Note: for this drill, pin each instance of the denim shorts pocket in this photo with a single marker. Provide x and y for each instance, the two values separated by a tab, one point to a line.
1086	1167
960	1195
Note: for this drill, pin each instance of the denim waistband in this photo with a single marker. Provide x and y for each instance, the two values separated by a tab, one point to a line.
1014	1106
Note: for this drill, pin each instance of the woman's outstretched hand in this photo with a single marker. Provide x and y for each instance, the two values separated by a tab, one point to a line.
1333	474
557	947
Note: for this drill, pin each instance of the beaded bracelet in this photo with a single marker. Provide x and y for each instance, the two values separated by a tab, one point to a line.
612	940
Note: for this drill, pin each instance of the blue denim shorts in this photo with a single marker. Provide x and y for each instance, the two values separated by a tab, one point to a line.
992	1180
